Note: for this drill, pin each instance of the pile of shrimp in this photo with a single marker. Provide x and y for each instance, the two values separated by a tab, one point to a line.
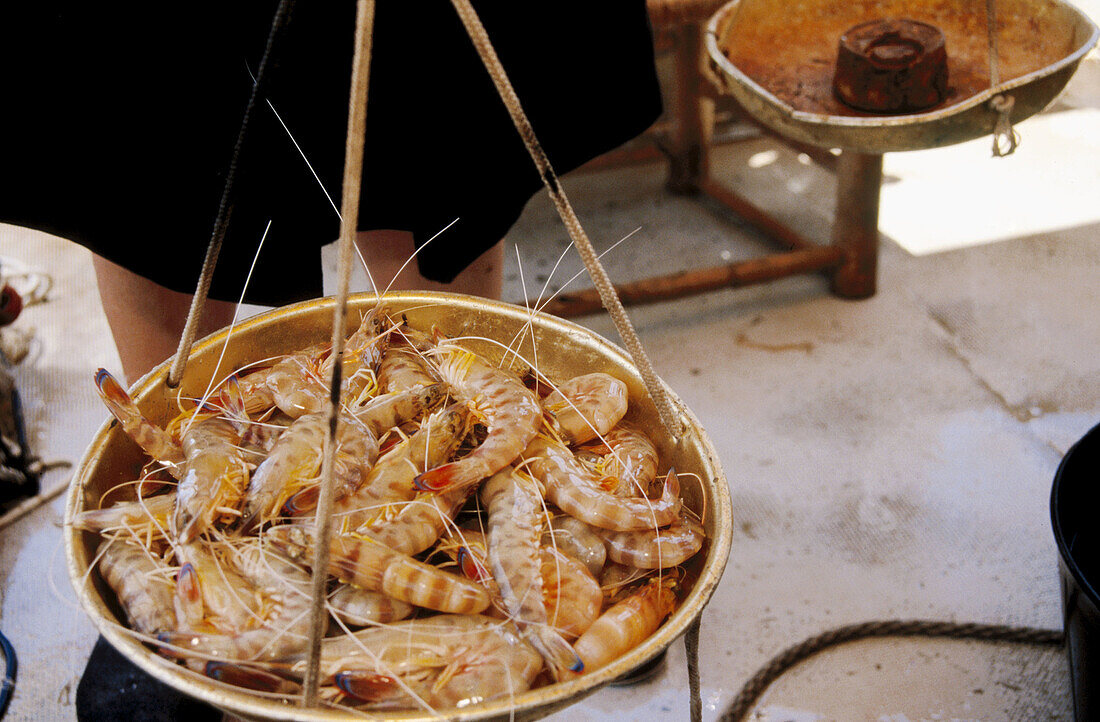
493	531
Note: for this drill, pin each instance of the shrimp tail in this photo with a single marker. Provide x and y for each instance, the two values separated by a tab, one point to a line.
233	402
188	595
559	654
302	501
446	477
114	396
249	677
368	686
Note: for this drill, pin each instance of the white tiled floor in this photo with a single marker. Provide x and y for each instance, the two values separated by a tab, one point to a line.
887	458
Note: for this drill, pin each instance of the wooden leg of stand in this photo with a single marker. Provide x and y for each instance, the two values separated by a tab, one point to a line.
855	227
687	143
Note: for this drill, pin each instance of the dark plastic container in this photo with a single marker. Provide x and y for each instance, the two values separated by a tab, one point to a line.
1075	515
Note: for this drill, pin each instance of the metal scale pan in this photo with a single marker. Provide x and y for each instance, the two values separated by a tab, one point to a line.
776	58
564	349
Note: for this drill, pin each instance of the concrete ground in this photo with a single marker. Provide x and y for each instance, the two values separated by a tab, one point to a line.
889	458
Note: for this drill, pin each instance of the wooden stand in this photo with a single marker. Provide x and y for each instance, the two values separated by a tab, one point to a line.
850	261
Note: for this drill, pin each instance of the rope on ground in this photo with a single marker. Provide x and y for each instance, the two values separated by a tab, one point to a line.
742	704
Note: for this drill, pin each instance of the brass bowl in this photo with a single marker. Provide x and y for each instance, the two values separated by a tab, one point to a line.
564	349
776	59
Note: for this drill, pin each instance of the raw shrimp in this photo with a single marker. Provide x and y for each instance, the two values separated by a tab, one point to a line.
617	580
391	479
418	522
572	595
443	661
626	624
514	507
142	583
359	607
655	549
627	460
145	517
295	463
215	475
211	595
280	630
259	437
510	411
387	411
294	384
369	565
155	441
402	369
578	540
576	490
586	406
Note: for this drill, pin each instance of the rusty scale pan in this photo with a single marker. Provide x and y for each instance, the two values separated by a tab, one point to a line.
564	349
778	58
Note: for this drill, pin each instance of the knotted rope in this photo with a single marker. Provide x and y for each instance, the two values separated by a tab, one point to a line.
742	704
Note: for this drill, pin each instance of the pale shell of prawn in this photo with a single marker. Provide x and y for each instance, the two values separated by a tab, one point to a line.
214	478
587	406
571	593
510	411
360	608
390	480
444	661
143	584
211	595
387	411
514	507
295	463
578	540
625	625
147	517
655	549
575	489
370	565
280	631
628	458
402	369
154	441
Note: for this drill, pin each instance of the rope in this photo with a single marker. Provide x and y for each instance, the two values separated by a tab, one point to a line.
691	645
225	206
608	296
751	691
349	221
1000	103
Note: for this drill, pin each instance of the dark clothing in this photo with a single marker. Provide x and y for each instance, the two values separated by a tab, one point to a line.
120	119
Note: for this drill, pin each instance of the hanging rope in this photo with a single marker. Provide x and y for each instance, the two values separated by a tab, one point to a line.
225	206
349	222
1001	104
608	296
606	289
742	704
